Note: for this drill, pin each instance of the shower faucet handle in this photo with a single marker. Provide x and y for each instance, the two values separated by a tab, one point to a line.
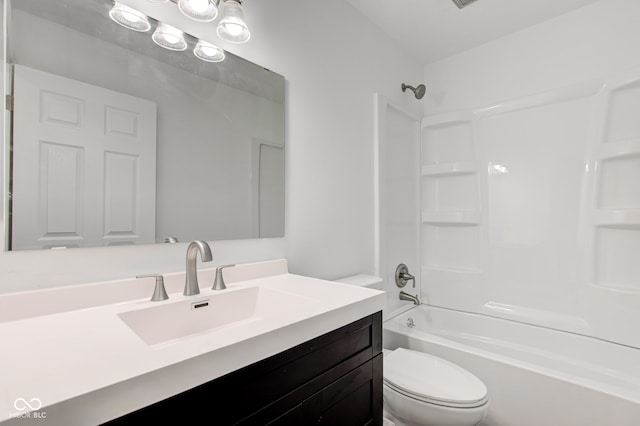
403	276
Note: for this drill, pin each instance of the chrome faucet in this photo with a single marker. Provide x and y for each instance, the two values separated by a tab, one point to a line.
410	298
191	286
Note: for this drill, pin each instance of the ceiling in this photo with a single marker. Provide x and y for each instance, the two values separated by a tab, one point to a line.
430	30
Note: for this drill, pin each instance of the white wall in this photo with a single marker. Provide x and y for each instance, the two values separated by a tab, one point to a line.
539	107
336	61
333	61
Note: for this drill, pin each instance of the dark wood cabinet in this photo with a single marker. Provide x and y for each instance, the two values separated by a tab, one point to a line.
350	400
334	379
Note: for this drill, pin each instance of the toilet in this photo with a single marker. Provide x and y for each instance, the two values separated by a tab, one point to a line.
423	390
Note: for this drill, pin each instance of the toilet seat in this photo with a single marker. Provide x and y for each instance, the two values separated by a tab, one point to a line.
433	380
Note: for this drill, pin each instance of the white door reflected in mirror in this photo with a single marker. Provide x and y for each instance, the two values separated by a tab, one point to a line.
84	172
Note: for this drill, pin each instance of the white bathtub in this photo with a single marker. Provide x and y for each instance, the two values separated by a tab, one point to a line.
535	376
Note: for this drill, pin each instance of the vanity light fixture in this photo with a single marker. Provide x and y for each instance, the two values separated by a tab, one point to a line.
199	10
169	37
165	35
232	27
129	17
208	52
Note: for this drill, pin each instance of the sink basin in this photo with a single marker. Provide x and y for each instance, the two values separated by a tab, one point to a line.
220	310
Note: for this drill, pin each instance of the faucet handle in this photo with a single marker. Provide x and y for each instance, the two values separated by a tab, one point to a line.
159	293
218	283
403	276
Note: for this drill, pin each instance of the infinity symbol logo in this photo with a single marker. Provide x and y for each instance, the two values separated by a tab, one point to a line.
23	404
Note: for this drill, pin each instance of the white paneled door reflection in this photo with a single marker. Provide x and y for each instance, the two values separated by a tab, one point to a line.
83	171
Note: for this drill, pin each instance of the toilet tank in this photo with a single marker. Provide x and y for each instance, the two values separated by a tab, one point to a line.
362	280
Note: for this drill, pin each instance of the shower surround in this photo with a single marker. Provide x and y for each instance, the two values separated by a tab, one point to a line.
530	205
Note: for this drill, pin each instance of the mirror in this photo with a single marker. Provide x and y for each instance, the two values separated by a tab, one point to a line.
116	140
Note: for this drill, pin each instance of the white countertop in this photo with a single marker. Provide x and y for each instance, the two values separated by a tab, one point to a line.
86	366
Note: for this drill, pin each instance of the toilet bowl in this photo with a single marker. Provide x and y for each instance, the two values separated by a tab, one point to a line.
424	390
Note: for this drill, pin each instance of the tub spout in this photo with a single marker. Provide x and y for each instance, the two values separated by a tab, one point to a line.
410	298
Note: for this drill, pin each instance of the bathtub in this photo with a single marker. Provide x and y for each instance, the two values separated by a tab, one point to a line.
535	376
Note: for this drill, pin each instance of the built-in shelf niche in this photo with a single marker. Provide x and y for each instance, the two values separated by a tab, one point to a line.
616	213
450	194
447	139
618	181
622	115
629	218
617	257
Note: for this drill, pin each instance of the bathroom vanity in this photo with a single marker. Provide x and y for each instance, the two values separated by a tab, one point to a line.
273	348
333	379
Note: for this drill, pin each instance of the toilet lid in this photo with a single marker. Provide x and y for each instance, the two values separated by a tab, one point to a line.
432	379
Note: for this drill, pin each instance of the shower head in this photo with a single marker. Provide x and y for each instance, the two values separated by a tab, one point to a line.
417	91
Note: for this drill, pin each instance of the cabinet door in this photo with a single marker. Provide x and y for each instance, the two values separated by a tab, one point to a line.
293	417
355	399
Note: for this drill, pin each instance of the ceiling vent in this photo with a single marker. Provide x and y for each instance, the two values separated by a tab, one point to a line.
463	3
